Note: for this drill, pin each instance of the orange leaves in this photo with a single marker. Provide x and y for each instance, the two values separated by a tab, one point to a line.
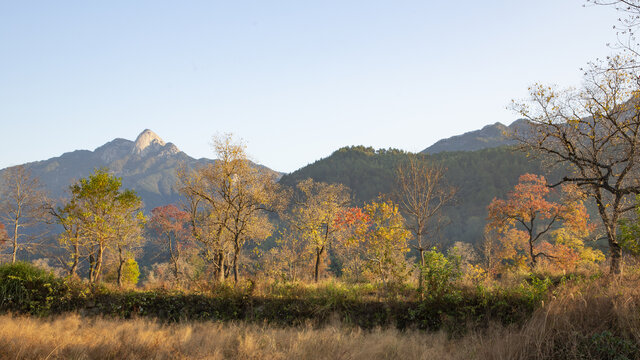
350	217
3	234
527	218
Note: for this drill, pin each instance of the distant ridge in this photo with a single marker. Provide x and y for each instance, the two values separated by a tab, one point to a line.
147	165
490	136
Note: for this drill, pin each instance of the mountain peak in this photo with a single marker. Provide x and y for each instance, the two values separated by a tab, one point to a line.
145	139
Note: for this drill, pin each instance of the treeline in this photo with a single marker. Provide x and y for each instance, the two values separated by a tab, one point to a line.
237	221
479	176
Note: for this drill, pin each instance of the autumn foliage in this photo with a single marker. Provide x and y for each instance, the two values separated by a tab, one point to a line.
529	226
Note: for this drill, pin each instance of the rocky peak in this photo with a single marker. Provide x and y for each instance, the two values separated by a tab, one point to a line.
114	149
147	140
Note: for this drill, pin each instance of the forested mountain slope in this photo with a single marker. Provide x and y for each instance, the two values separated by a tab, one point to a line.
479	176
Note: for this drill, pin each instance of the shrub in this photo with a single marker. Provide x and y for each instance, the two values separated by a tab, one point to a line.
605	345
27	288
439	273
130	272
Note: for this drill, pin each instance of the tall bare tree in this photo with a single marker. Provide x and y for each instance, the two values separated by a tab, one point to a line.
229	200
423	192
595	131
22	206
170	227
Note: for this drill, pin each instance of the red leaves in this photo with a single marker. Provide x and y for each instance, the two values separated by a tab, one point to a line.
171	221
3	234
350	217
525	204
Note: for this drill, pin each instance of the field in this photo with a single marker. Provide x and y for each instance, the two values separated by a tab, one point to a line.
596	318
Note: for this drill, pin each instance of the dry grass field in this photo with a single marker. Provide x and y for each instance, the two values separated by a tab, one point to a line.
74	337
598	320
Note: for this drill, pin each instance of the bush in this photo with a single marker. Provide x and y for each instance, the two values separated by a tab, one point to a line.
130	272
605	345
26	288
439	274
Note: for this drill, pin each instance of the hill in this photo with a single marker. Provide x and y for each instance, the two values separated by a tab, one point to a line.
479	176
490	136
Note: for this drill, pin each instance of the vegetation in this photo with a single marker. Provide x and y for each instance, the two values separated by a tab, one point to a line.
327	250
478	176
595	132
100	220
22	207
585	319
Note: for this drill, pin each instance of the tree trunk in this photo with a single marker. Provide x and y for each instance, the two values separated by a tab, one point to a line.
92	268
610	222
221	266
420	276
318	258
120	266
615	250
174	256
98	266
76	259
533	256
235	267
15	242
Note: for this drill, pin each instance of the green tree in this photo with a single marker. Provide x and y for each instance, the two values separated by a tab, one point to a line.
106	218
386	242
68	216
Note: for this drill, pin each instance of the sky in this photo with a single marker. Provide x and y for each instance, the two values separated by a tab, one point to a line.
295	80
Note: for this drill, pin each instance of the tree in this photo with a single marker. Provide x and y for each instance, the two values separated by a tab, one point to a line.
385	241
528	214
353	224
107	217
170	226
290	257
314	215
627	25
235	195
69	217
630	231
22	207
3	233
128	224
423	193
595	132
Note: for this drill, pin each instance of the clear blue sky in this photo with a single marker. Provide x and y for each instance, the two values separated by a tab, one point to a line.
295	79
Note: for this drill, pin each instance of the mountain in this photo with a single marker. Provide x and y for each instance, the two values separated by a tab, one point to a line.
490	136
148	165
478	175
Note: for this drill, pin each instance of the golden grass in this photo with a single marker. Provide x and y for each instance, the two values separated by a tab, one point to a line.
75	337
562	329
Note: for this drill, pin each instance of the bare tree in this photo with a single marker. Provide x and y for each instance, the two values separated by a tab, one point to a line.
595	131
423	192
229	200
170	227
22	206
